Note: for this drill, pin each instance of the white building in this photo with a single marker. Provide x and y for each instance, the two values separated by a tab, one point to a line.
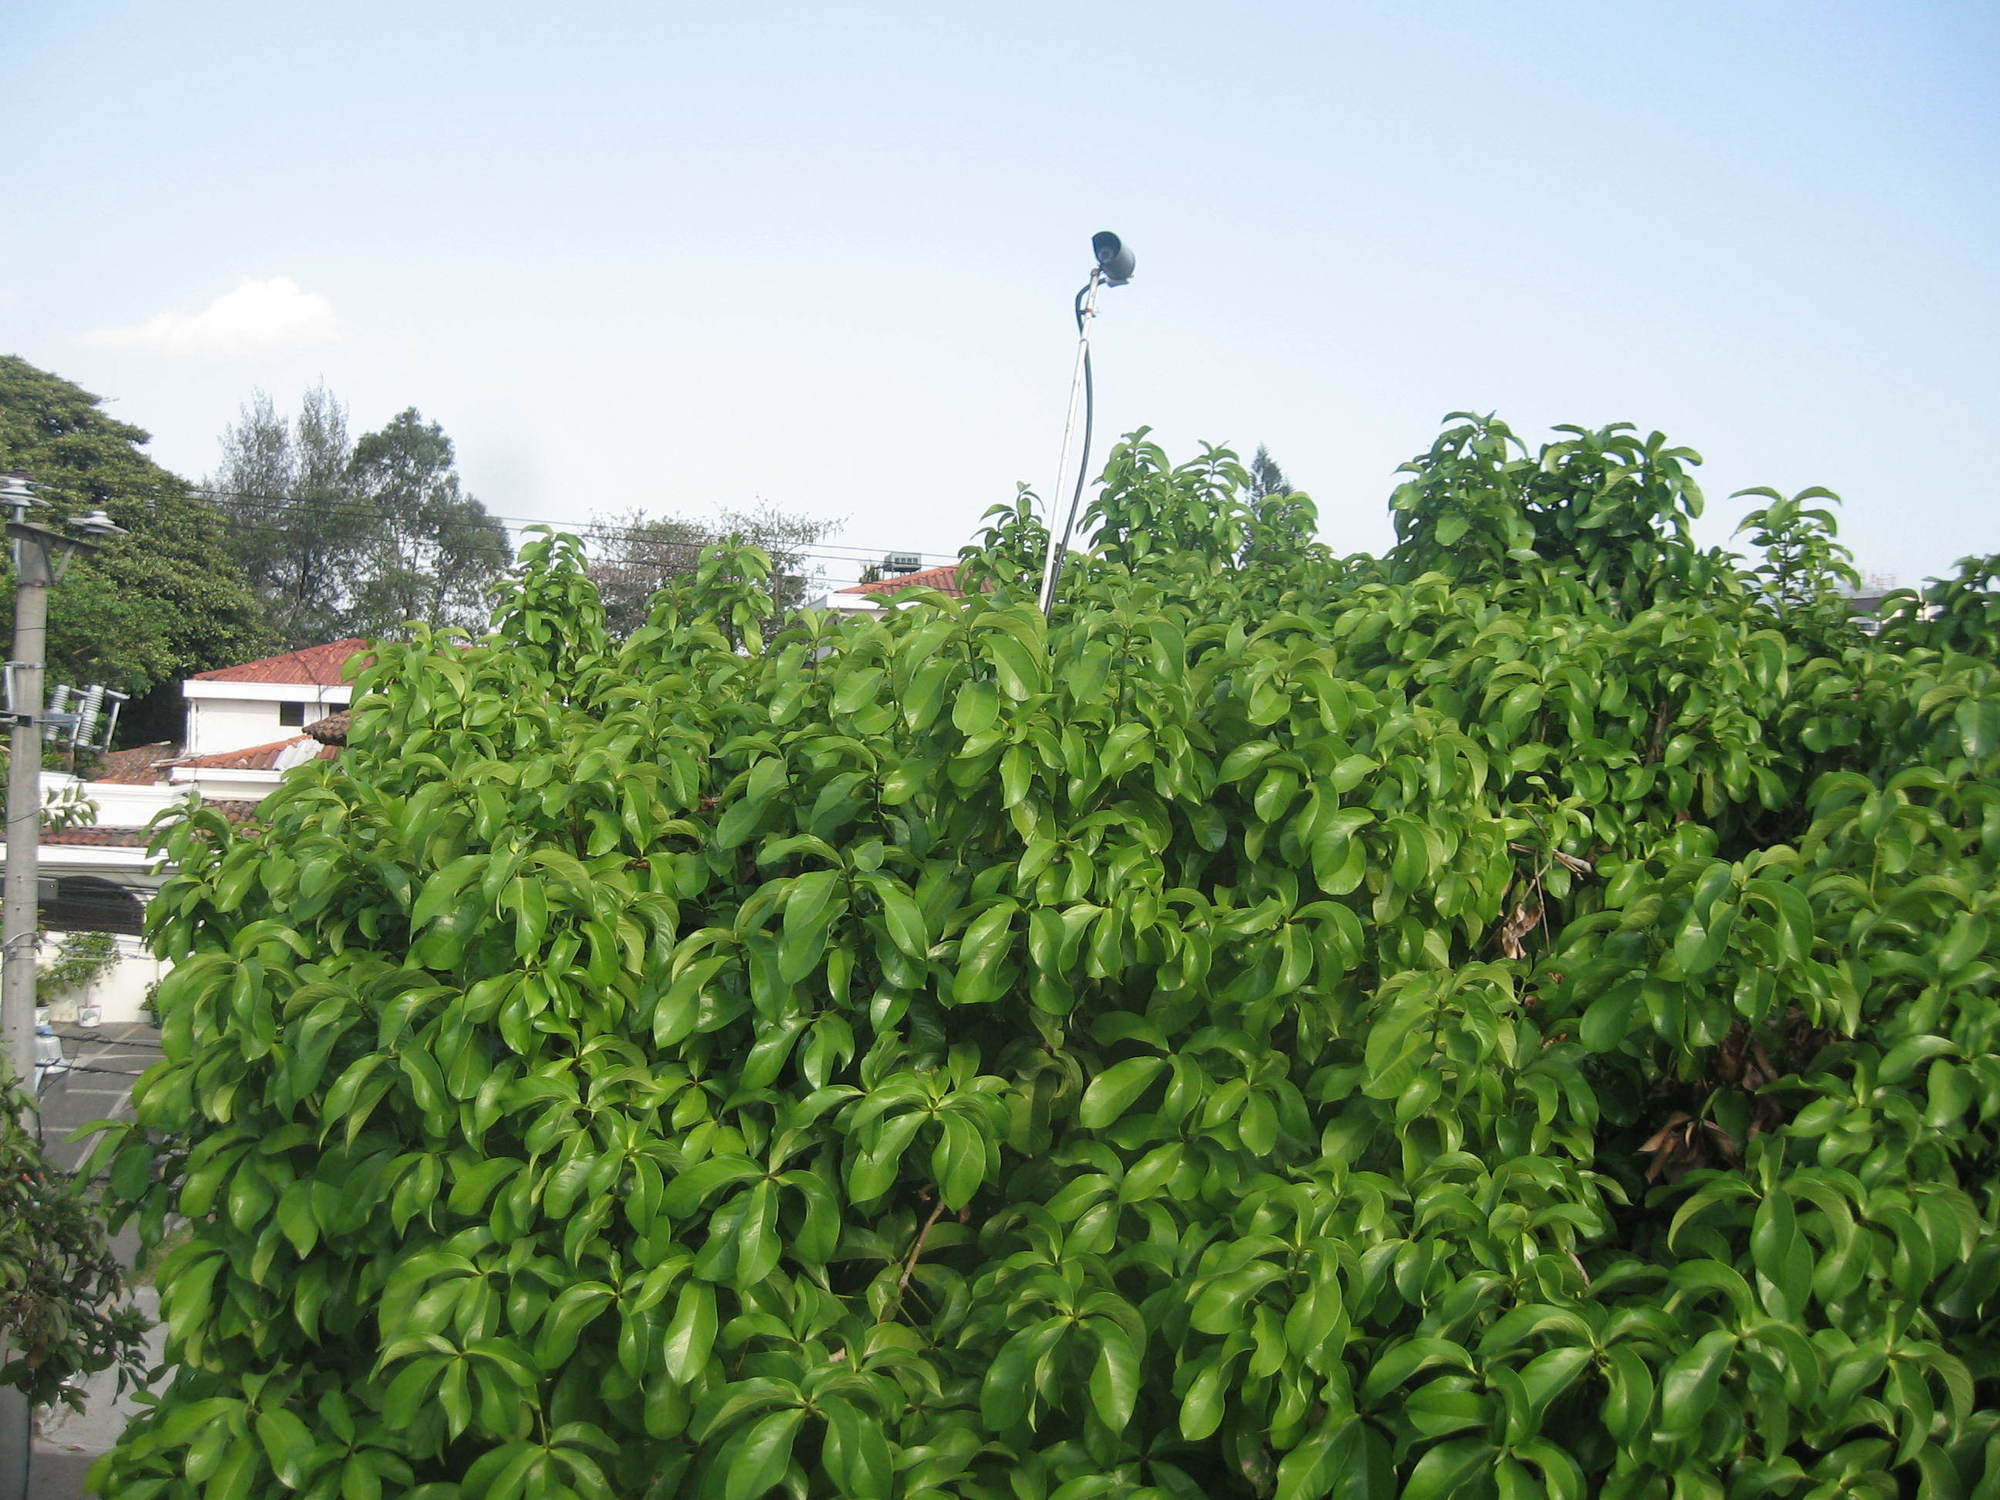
262	702
244	731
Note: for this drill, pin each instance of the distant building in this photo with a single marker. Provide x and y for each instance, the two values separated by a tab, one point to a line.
255	703
861	598
246	726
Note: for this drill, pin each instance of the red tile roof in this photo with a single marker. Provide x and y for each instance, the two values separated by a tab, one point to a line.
138	766
315	664
332	730
944	580
235	811
259	757
99	837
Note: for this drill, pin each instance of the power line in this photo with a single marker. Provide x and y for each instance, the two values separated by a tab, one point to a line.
837	567
586	530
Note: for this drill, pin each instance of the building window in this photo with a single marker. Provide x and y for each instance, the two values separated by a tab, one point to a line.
292	715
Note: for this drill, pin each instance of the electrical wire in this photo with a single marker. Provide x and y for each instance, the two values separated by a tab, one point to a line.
836	562
275	502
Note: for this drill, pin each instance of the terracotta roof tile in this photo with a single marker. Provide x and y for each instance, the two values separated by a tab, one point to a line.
261	757
235	811
315	664
332	730
137	766
99	837
944	580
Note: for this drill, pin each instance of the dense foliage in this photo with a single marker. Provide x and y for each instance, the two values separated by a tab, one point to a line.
62	1292
1514	1018
430	552
341	537
146	609
296	526
634	555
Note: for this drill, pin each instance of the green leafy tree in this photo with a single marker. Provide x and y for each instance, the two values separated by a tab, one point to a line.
1012	547
431	553
81	959
1267	480
1960	613
297	527
63	1307
1515	1021
1613	506
146	609
634	555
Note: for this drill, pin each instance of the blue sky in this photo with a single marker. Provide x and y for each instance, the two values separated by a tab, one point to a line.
675	257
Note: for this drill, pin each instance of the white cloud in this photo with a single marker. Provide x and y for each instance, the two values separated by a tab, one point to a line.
259	317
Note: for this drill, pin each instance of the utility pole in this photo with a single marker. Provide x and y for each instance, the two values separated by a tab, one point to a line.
37	556
33	573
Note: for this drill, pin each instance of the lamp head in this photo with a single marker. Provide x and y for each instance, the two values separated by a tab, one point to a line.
1113	258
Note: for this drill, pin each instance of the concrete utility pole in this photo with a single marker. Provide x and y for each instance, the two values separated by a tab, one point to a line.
36	549
25	805
24	814
24	800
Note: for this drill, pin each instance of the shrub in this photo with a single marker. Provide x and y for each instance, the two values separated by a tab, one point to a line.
1515	1018
60	1284
81	959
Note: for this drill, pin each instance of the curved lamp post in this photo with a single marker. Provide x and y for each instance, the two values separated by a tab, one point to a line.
1114	267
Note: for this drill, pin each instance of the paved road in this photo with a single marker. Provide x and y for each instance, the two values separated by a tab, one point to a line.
102	1066
97	1073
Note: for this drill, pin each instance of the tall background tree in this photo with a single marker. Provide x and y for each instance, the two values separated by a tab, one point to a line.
633	554
353	537
431	552
1281	518
1267	480
296	529
146	609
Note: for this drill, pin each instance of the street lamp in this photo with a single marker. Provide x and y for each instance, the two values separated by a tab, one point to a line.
1115	263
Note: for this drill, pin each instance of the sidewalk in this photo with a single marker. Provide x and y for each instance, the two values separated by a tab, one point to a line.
68	1442
97	1084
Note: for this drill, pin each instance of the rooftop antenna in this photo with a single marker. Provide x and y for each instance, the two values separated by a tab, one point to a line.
1114	267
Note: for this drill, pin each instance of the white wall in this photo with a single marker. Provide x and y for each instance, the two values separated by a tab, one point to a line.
224	716
851	604
120	996
122	806
213	785
226	724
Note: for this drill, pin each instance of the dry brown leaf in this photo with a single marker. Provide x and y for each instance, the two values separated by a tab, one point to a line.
1522	920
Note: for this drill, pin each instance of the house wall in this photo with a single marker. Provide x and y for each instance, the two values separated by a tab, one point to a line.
224	716
851	604
120	996
118	805
212	784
